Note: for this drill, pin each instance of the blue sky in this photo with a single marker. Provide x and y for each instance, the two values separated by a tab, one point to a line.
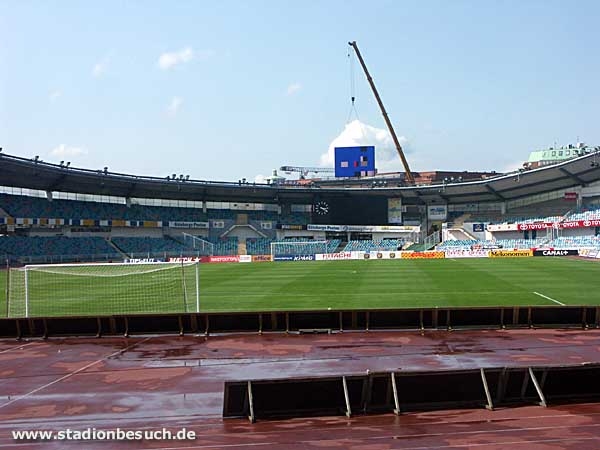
224	90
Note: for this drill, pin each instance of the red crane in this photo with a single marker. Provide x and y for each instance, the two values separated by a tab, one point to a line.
409	177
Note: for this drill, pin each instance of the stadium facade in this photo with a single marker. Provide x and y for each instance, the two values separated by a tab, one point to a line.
50	211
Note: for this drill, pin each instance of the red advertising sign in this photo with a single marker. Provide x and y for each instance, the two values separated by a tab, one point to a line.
536	226
562	225
223	259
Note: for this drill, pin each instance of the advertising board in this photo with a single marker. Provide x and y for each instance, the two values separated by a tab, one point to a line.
589	252
294	258
262	258
458	253
478	228
180	224
385	255
549	252
437	212
510	253
423	255
395	210
223	259
189	259
333	256
143	260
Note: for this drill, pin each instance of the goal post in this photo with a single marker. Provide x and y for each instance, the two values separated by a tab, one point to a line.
202	246
103	289
286	248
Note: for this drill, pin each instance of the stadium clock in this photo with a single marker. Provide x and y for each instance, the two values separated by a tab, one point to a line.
322	208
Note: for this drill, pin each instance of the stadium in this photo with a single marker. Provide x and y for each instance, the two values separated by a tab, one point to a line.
330	299
360	296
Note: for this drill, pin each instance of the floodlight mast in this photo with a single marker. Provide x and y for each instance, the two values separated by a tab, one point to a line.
409	177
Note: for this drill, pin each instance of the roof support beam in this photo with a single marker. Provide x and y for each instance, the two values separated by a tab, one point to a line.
57	182
572	176
495	192
130	190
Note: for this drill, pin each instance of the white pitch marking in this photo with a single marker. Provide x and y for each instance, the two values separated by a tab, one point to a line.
18	347
70	374
548	298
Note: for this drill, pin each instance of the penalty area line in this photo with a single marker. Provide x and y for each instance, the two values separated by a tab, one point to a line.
551	299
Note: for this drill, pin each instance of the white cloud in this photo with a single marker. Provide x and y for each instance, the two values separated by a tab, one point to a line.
169	60
293	88
63	151
54	95
357	133
512	167
101	67
174	105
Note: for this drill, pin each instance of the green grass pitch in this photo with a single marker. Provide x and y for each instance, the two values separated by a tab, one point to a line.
336	285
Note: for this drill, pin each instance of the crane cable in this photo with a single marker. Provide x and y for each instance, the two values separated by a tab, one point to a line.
352	87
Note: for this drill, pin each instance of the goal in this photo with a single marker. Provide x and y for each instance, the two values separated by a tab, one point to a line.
288	248
202	246
103	289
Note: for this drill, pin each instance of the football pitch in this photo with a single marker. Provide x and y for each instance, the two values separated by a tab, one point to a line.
339	285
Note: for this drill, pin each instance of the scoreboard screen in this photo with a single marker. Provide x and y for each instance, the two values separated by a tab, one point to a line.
356	210
354	161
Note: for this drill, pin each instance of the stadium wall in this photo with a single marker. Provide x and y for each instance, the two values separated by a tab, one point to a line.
303	321
316	235
468	227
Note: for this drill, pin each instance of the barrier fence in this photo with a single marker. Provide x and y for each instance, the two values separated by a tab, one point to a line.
305	321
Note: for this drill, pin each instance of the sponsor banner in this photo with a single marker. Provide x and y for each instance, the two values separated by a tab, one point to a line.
589	252
357	255
223	259
188	224
571	195
262	258
478	228
536	226
458	253
364	228
559	225
294	258
245	258
333	256
143	260
485	246
510	253
189	259
384	255
437	212
503	227
283	226
581	224
556	252
395	210
423	255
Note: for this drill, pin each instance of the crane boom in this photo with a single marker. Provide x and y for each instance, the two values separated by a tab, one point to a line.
409	177
306	169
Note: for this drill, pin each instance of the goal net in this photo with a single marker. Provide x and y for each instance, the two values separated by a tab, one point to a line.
288	248
103	289
202	246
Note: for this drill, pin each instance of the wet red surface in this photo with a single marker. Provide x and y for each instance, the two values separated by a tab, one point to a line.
154	382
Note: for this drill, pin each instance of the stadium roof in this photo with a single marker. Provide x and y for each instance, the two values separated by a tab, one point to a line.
34	174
